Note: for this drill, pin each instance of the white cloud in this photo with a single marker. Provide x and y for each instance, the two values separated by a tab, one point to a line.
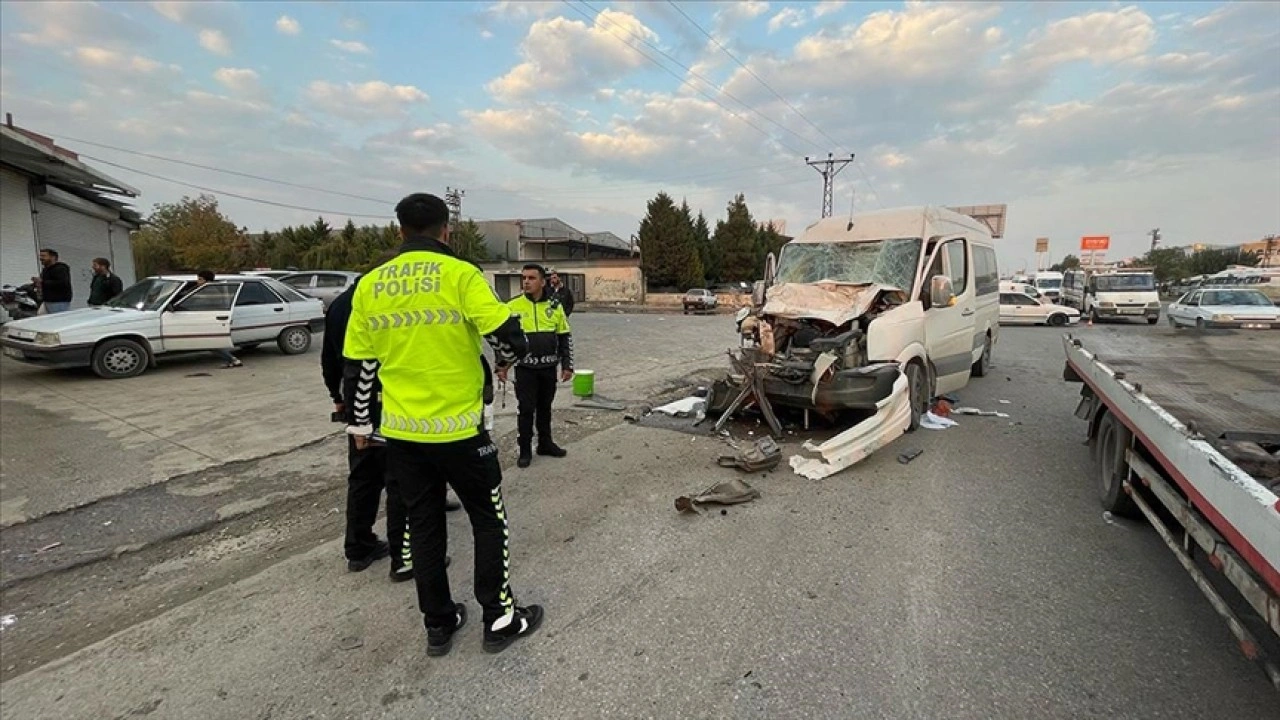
240	80
351	24
215	42
516	10
1099	37
826	7
175	11
288	26
561	54
354	47
486	34
369	99
788	18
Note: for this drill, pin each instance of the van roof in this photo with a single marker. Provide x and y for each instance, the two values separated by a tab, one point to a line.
918	221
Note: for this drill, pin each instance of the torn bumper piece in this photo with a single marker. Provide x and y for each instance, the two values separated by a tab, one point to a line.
892	418
863	388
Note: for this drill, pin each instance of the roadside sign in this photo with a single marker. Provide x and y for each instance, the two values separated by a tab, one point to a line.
1042	245
1095	242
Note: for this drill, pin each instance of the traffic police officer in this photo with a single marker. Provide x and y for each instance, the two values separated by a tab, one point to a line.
416	323
550	345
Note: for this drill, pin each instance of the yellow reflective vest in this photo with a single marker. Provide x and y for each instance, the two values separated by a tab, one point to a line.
420	317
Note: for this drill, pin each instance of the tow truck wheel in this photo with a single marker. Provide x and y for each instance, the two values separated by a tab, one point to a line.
1112	444
917	394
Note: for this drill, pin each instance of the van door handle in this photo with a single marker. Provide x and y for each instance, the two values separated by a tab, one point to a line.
966	313
221	317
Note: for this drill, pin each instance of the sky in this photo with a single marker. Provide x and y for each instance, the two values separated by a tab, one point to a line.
1084	118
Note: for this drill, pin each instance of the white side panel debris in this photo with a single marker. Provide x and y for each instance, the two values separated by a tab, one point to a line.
893	416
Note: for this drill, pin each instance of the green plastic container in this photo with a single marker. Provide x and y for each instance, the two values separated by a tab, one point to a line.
584	383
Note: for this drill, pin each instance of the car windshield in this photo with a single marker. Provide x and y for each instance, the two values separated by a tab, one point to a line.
1235	297
886	262
1049	283
149	294
1113	283
284	291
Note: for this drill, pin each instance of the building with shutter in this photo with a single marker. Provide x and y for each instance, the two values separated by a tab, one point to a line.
49	198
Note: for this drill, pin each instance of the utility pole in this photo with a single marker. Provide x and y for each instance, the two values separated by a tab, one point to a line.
453	198
1155	238
828	170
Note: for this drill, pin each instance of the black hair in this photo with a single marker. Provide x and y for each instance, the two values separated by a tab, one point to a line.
542	272
205	275
51	251
103	262
422	214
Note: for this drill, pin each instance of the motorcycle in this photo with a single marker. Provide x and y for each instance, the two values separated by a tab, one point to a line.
21	301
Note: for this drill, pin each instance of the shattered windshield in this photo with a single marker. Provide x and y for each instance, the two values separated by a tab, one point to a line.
884	262
1115	283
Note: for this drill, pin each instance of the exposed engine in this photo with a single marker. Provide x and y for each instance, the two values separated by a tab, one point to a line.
797	344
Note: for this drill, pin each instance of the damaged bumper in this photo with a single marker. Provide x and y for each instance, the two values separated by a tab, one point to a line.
861	388
892	418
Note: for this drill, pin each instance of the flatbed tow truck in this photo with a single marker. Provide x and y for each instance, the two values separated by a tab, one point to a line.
1184	429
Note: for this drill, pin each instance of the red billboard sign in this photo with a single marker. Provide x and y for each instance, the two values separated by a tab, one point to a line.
1095	242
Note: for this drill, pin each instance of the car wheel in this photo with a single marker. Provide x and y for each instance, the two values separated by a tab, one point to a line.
981	367
917	394
294	340
1057	319
120	358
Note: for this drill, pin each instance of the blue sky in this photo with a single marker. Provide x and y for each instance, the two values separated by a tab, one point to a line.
1086	118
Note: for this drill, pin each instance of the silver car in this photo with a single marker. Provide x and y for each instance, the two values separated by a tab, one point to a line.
1225	308
324	285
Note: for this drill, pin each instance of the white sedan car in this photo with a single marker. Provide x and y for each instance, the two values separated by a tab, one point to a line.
1022	309
167	314
1225	308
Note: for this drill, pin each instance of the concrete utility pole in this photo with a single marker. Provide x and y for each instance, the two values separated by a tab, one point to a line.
453	198
828	170
1155	238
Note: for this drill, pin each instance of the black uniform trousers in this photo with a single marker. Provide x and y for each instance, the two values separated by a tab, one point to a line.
535	391
365	483
423	472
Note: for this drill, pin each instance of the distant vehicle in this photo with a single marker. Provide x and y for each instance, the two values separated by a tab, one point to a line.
699	300
266	272
324	285
1022	309
1265	280
1225	308
1007	286
1126	293
167	314
1049	283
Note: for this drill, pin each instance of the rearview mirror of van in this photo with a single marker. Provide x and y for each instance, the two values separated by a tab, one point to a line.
757	293
941	292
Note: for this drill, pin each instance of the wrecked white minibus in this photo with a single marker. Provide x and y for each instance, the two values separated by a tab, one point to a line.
855	302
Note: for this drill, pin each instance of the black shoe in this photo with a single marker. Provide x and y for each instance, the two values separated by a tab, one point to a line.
381	550
526	622
551	449
440	640
451	505
526	458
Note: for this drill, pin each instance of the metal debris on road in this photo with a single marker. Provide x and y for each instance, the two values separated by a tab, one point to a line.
976	411
910	455
892	418
763	455
727	492
688	407
600	403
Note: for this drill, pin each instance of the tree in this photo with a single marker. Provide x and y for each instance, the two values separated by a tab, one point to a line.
768	240
1215	260
659	235
1070	262
691	270
190	234
735	241
468	242
702	241
1168	264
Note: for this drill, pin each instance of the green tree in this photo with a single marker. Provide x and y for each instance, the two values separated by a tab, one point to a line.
1070	262
702	241
468	242
736	242
690	268
1169	264
190	234
1215	260
768	240
658	236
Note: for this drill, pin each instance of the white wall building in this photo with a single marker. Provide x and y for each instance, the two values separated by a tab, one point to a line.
49	198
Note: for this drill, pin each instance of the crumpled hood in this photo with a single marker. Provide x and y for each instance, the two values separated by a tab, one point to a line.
831	302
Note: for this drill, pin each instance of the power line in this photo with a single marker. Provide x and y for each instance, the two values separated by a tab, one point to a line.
685	81
235	195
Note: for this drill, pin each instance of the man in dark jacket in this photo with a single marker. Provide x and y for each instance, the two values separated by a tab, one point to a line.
105	284
54	282
368	467
560	293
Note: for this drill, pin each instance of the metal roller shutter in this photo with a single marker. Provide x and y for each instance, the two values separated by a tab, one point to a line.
122	254
18	261
78	238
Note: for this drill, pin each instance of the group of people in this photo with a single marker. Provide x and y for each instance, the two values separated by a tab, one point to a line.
55	289
404	365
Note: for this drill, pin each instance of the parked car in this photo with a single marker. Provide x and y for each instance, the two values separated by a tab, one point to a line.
167	314
1225	308
700	299
1022	309
267	272
324	285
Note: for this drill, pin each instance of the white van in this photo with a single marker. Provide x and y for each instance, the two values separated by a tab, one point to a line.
1121	293
1049	283
912	291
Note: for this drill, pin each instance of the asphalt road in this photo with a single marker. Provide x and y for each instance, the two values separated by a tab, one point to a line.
979	581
